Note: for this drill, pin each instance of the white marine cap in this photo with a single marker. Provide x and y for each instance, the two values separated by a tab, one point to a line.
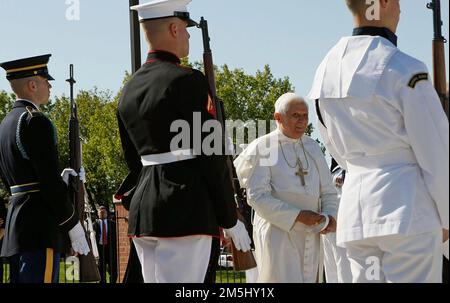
158	9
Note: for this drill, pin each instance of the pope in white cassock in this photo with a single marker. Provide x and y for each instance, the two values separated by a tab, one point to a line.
290	188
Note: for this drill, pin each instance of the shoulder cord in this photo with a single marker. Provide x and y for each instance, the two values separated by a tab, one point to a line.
20	146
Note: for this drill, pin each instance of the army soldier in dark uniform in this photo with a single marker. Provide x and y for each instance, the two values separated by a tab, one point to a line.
39	214
182	196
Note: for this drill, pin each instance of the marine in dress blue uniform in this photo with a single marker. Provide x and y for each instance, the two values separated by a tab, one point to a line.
180	199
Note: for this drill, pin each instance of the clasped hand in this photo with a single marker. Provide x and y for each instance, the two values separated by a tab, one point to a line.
311	218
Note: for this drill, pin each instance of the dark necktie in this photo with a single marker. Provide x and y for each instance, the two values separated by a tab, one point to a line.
104	236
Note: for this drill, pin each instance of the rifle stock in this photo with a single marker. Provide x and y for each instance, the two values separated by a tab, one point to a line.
439	71
88	267
439	75
241	260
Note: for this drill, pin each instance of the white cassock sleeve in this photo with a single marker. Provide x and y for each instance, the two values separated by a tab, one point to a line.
277	212
427	128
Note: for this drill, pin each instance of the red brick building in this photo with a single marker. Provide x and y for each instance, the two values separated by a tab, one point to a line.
123	242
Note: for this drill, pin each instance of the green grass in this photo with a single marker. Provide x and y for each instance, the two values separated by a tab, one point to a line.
5	272
222	276
230	276
62	274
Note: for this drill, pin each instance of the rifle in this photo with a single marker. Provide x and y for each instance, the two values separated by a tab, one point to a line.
439	71
135	41
88	267
241	260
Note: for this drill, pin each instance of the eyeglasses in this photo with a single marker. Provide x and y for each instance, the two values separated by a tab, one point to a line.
297	116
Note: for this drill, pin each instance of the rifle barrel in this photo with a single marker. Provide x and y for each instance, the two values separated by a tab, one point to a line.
88	267
242	261
435	6
206	39
135	41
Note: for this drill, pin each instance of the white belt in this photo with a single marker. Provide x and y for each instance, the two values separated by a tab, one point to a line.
174	156
399	157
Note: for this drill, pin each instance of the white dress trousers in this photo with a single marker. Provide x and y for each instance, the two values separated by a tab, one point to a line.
397	259
174	260
337	265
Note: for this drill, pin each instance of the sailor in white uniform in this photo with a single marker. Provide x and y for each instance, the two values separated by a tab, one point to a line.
290	188
382	121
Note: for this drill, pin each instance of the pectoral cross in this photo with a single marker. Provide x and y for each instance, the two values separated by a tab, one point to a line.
301	172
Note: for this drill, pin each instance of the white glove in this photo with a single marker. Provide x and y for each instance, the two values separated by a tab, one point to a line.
78	239
66	173
71	172
239	235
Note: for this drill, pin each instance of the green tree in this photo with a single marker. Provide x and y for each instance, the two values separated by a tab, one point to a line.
246	97
6	103
249	97
101	149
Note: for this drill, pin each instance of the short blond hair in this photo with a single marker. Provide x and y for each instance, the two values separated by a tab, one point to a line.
157	27
357	7
19	86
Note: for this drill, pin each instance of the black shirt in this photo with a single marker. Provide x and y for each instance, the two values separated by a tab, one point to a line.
376	31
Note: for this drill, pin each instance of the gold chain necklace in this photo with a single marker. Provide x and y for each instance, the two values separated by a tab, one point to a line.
301	171
285	159
304	154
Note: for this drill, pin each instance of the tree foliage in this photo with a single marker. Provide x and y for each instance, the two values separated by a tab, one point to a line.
249	97
6	103
101	147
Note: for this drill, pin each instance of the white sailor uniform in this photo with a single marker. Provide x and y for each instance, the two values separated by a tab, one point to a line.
382	121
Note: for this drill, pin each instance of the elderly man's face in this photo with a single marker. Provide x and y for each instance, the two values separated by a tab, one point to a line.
294	123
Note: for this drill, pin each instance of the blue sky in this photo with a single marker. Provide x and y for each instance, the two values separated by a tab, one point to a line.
292	36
